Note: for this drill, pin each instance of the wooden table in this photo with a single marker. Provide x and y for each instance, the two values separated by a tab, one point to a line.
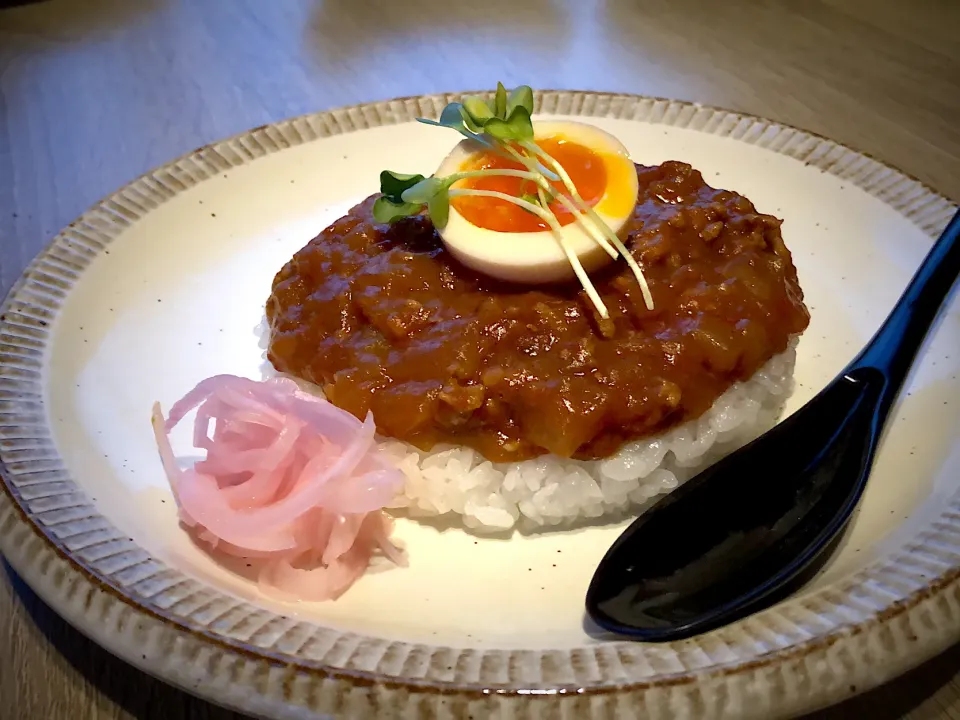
95	92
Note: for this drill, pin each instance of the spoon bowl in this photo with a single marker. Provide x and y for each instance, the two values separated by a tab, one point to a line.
742	533
758	522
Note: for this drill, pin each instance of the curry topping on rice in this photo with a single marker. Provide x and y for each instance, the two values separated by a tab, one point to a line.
383	318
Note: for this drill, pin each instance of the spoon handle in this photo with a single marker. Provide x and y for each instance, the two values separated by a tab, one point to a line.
894	346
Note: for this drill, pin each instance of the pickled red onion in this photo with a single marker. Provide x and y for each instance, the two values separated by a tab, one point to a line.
288	479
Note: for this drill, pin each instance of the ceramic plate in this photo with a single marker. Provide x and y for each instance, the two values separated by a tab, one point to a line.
162	284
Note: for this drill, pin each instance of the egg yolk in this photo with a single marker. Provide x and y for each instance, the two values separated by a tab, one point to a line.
587	170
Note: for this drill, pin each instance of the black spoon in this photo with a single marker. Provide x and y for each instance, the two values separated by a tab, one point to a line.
746	531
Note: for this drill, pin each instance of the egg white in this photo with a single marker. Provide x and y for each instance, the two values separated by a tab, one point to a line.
537	257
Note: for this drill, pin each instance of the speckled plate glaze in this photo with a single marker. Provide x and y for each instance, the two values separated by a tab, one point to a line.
162	283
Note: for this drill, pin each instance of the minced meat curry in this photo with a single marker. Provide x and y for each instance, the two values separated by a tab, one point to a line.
384	319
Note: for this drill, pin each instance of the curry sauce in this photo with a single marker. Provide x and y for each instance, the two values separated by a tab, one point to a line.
384	319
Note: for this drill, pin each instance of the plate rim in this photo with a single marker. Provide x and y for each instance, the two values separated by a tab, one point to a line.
924	206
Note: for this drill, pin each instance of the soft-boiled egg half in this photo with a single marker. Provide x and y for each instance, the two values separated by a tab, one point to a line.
506	241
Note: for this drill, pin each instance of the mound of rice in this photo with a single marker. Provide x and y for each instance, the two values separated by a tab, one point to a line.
549	491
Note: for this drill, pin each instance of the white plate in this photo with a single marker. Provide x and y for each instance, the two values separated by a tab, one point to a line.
161	285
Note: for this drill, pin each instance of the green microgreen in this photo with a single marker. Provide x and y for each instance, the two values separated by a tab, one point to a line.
503	124
424	190
456	117
477	110
531	198
500	98
391	206
439	209
520	97
505	118
393	185
517	127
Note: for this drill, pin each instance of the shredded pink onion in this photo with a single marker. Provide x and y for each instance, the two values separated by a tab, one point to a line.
288	479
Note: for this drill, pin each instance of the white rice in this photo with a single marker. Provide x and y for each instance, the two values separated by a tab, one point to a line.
552	492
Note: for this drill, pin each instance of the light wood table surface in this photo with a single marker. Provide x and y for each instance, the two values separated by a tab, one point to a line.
95	92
